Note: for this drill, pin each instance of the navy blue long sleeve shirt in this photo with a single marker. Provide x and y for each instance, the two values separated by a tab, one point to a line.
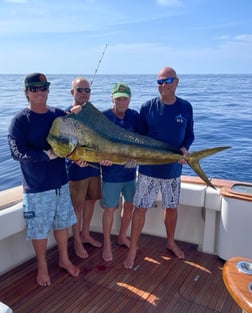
172	124
27	140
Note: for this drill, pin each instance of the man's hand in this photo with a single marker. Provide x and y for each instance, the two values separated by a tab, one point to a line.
76	109
51	155
81	163
106	163
185	152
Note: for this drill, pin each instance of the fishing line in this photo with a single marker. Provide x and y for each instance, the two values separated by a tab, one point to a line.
99	62
92	165
97	67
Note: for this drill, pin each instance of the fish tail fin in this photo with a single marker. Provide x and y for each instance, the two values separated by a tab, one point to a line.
195	157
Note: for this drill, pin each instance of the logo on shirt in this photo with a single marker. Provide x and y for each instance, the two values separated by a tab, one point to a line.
180	119
29	214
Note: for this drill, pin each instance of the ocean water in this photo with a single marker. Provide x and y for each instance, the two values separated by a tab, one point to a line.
222	107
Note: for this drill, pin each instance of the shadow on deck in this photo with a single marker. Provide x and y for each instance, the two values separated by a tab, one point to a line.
158	283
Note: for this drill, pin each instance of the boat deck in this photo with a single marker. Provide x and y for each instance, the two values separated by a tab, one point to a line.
158	283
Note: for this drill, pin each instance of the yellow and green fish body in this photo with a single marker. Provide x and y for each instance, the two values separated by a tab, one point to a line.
91	136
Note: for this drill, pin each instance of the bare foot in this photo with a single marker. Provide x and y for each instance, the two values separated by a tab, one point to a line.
130	259
70	268
91	241
123	241
80	251
176	251
43	278
107	253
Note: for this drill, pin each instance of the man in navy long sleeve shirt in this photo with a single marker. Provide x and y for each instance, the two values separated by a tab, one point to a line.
170	119
46	199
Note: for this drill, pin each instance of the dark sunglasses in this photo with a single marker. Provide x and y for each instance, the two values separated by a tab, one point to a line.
82	90
168	80
38	88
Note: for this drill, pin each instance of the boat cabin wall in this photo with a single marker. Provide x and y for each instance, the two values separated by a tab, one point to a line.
14	247
198	213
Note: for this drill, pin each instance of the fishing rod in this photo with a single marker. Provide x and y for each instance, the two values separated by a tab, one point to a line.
98	65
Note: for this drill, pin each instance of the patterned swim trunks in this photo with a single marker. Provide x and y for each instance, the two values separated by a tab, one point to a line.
147	190
47	209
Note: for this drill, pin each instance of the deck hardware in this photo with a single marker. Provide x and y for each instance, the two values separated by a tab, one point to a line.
244	267
250	287
196	278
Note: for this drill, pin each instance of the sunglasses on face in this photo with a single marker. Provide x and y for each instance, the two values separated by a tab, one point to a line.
38	88
82	90
168	80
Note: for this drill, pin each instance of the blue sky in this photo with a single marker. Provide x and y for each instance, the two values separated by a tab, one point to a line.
142	36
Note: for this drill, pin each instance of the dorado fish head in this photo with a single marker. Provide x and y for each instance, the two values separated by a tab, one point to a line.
62	138
62	145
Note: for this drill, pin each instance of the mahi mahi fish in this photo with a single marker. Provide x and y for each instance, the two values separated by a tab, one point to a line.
91	136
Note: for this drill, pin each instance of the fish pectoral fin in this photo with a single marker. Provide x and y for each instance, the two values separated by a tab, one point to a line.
86	148
130	164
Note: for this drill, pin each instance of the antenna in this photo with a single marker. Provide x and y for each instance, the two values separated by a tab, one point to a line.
98	64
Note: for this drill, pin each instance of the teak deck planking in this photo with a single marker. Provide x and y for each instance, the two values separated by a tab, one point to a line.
159	282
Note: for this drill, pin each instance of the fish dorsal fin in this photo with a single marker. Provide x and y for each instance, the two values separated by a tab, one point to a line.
97	121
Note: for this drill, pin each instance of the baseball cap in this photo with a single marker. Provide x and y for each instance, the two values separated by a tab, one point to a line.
121	90
36	79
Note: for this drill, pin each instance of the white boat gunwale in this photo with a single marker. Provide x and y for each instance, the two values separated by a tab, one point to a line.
199	215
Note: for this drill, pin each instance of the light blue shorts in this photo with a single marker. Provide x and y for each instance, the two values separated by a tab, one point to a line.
147	190
47	209
111	193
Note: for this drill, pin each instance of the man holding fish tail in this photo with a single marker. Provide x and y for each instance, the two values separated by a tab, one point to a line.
167	118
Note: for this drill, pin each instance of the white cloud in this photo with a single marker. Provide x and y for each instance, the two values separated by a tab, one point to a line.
16	1
170	3
244	37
